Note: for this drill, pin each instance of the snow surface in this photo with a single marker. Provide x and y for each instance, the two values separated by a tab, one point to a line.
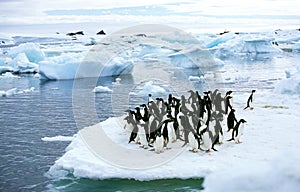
102	89
254	164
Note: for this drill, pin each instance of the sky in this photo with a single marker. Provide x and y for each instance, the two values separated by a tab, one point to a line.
206	13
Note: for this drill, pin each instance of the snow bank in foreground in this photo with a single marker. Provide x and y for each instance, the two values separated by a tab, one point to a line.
31	50
290	85
102	89
280	174
15	91
58	138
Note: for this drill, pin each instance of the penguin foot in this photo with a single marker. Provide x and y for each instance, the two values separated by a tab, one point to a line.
239	142
168	148
193	150
251	108
138	142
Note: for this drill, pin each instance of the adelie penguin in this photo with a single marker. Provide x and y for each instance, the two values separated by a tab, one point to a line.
250	100
231	119
238	131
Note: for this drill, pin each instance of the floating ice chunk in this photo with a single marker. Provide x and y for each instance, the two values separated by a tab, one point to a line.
31	50
11	92
262	45
220	39
66	66
23	65
117	66
9	75
58	138
150	88
15	91
4	69
60	67
102	89
195	78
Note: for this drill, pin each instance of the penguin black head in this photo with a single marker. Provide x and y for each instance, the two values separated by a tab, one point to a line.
149	95
228	93
229	97
143	105
243	121
253	91
137	108
233	110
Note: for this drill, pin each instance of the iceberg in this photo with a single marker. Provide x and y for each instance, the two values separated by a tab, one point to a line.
31	50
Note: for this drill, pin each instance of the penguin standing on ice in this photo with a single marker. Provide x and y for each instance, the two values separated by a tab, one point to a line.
194	141
238	131
231	119
250	100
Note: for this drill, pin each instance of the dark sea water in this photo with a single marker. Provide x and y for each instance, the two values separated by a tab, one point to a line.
48	111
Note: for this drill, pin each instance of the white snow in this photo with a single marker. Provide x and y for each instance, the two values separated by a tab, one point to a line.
58	138
102	89
264	139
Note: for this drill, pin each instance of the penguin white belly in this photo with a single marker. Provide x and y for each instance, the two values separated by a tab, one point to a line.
207	143
240	133
193	142
171	132
142	137
158	144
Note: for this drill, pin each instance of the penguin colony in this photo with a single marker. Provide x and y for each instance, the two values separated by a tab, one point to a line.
196	120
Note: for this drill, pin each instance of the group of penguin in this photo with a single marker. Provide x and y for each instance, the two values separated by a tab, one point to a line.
195	120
